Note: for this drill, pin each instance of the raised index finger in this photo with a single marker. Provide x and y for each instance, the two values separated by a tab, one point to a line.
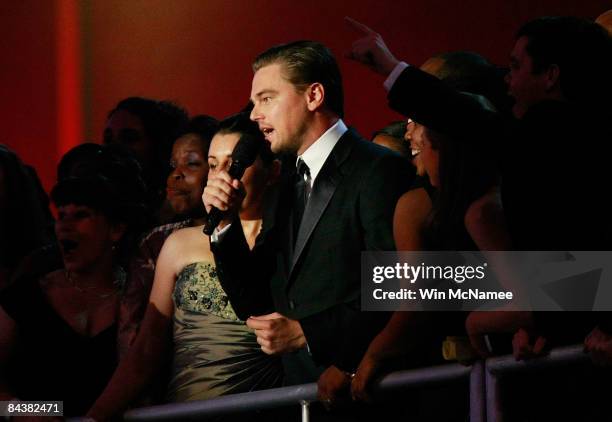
358	26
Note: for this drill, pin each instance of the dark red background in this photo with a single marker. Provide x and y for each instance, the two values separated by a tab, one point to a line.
67	62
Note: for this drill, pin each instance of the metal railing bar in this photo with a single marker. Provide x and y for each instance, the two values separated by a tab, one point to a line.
477	393
556	357
422	376
233	403
277	397
492	398
483	388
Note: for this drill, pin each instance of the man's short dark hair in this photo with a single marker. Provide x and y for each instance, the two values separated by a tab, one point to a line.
579	47
304	63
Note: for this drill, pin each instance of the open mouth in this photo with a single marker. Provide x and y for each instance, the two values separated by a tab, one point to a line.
267	131
68	245
415	152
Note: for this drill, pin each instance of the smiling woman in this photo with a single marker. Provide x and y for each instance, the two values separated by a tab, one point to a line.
184	187
71	312
189	165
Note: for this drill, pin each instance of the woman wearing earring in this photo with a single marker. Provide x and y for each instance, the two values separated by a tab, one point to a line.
58	332
215	353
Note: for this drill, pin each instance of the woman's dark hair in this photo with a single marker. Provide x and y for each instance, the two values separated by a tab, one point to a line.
242	124
111	184
81	155
205	127
25	219
467	170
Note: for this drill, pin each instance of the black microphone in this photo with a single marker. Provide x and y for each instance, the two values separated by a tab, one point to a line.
243	156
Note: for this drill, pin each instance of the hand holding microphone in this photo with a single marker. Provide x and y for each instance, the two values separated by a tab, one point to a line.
224	192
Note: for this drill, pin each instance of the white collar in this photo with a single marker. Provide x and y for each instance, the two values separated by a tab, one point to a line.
317	153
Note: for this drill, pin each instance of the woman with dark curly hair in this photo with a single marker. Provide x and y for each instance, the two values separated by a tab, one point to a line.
58	331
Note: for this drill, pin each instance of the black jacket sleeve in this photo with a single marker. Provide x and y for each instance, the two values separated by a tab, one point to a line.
244	274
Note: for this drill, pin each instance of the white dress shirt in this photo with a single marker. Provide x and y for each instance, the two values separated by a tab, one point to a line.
397	70
316	154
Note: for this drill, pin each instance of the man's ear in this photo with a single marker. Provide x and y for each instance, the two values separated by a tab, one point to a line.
553	77
315	95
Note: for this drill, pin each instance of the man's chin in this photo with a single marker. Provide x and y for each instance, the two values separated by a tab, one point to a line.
282	149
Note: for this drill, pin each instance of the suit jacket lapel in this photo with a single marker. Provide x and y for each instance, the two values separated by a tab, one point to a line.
322	192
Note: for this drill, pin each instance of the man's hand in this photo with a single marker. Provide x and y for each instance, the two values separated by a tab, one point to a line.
599	345
277	334
524	348
371	49
331	385
223	193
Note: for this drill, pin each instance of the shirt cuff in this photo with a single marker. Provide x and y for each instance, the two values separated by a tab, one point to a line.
218	234
390	81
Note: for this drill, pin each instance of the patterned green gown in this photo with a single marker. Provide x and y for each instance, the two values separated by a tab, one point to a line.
214	352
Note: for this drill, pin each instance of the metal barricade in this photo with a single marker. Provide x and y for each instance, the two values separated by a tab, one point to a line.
299	394
483	375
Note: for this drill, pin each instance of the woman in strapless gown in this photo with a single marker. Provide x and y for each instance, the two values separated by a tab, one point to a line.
215	353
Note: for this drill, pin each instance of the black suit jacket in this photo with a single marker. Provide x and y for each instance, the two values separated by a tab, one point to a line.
317	282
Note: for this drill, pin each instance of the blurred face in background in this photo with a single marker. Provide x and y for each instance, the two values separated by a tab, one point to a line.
86	238
188	176
525	85
126	129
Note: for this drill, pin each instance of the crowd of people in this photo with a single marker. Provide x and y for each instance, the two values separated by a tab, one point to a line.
122	301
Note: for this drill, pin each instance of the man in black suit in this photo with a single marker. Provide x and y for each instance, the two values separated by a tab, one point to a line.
340	203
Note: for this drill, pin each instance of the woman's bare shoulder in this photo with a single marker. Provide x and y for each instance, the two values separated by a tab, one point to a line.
188	245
